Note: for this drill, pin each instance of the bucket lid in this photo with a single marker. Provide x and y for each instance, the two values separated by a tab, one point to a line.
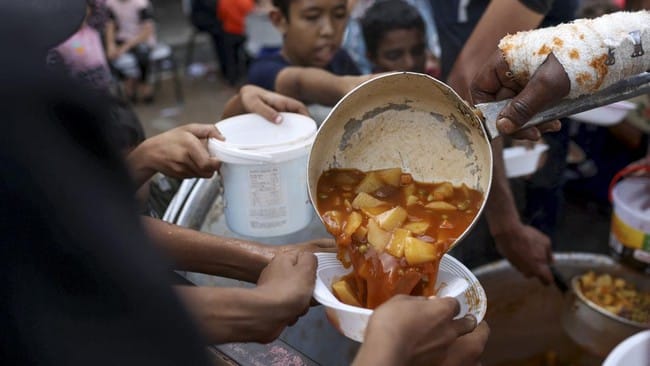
251	139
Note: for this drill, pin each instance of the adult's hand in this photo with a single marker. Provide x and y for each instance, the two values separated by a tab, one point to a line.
408	330
528	250
467	349
548	85
269	104
286	285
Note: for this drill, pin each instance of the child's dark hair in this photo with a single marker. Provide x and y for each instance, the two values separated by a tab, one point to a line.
283	6
385	16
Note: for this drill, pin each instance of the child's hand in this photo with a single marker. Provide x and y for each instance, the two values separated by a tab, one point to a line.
181	153
268	104
351	82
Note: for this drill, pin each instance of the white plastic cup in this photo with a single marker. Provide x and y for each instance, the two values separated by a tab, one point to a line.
264	173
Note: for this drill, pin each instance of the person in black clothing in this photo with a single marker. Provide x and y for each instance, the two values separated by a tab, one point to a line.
468	31
203	16
83	285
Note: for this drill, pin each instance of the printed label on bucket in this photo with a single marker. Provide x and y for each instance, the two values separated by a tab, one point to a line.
267	198
629	236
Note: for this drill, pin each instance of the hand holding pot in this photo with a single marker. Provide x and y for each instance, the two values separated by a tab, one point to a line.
547	86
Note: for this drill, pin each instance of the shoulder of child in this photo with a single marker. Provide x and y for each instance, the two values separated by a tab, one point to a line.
265	69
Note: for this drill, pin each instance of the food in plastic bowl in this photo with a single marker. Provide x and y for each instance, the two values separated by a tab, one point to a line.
454	280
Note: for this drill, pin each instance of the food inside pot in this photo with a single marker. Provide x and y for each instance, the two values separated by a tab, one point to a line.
392	230
617	296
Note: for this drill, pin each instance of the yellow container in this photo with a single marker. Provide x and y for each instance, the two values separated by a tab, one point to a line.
630	226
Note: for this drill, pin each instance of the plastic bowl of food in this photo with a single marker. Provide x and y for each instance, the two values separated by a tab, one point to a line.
520	161
454	280
632	351
608	115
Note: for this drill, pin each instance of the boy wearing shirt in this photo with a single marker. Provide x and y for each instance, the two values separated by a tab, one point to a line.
311	66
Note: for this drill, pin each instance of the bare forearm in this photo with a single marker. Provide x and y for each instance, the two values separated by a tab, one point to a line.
140	165
110	36
200	252
310	85
500	209
234	107
379	355
144	34
222	313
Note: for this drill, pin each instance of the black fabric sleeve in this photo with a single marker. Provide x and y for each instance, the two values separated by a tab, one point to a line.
538	6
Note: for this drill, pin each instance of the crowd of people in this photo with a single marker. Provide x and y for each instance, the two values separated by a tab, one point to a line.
89	280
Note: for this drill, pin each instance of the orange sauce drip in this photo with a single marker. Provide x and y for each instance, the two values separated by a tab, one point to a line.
378	275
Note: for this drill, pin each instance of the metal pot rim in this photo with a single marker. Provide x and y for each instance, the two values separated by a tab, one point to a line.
575	286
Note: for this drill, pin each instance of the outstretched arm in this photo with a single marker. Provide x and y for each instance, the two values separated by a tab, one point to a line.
313	85
259	314
180	153
243	260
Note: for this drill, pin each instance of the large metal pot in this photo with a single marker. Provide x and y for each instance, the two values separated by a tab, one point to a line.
421	125
592	327
525	317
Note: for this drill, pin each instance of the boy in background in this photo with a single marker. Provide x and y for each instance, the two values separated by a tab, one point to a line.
310	64
395	38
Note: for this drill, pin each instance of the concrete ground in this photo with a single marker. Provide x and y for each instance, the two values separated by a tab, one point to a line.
204	95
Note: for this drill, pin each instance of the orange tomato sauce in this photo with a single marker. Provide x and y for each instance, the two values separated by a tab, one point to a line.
392	230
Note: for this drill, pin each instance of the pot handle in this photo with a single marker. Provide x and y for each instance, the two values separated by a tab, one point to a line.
621	90
623	173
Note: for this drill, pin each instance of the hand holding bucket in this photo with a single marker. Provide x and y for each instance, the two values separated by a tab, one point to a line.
264	173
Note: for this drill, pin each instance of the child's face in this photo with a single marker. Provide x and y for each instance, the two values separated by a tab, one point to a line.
313	31
400	50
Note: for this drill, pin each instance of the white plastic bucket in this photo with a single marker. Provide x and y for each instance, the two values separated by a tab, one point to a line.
630	227
264	173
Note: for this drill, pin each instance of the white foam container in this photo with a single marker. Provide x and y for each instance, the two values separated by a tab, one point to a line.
520	161
454	280
264	173
607	115
634	350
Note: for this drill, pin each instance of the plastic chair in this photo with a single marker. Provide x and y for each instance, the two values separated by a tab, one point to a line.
161	59
261	36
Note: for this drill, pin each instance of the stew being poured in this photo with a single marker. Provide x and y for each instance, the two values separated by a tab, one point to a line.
392	230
